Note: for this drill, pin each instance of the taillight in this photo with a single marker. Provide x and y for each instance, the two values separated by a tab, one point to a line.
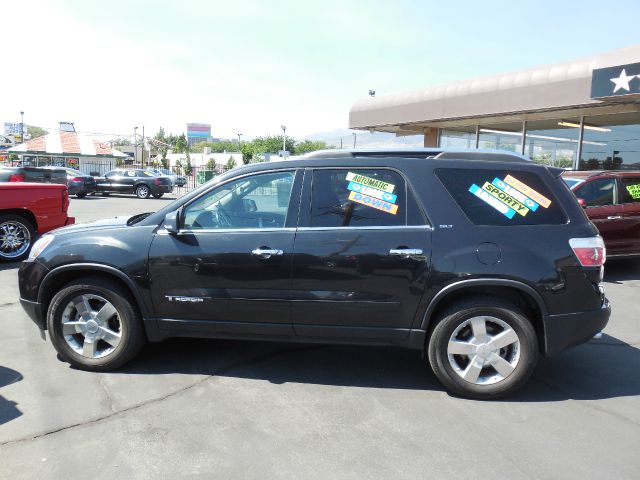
16	177
590	251
158	182
65	200
77	179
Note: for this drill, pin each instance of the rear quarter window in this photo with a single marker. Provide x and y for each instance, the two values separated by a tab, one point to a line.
502	197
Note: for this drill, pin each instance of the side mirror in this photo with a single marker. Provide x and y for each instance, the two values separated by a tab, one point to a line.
582	202
171	222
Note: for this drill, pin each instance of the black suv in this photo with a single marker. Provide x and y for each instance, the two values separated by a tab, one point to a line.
143	183
481	264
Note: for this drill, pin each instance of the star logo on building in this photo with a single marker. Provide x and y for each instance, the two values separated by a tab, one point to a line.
622	82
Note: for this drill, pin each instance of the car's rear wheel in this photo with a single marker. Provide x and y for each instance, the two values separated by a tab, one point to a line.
16	237
158	195
142	191
81	194
483	348
94	325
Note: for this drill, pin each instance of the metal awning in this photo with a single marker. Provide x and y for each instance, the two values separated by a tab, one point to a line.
537	93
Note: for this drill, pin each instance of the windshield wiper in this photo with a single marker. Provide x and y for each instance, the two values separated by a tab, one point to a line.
137	218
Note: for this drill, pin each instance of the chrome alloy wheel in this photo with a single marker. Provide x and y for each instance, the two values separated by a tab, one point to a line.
91	326
14	239
484	350
142	191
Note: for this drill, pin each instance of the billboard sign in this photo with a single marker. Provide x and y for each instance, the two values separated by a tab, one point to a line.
200	130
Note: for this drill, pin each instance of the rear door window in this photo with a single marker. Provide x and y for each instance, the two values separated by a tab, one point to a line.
502	197
362	198
630	192
597	193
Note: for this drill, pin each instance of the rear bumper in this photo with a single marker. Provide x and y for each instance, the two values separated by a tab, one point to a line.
163	189
568	330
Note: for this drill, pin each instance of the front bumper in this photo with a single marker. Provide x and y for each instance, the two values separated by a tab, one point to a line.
34	310
567	330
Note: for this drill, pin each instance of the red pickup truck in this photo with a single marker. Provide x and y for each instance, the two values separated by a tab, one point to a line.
28	210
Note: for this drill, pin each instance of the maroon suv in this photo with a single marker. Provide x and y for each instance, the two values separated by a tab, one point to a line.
612	202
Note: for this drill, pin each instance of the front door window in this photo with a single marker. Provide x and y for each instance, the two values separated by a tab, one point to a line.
258	201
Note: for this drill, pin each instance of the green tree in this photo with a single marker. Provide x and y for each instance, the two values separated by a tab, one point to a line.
188	168
216	147
180	145
35	132
307	146
231	163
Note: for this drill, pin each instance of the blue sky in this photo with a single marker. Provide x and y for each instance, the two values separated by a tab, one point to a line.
251	66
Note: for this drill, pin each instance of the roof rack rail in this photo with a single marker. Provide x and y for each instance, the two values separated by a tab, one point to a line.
489	155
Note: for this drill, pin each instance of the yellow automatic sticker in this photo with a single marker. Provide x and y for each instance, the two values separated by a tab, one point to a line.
528	191
370	182
634	191
373	202
505	198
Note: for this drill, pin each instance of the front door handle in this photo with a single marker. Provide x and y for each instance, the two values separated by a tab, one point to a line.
405	252
266	252
614	217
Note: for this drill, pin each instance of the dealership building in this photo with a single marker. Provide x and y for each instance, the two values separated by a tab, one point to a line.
583	114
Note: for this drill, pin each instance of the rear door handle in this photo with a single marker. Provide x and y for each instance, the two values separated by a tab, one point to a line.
266	252
405	252
614	217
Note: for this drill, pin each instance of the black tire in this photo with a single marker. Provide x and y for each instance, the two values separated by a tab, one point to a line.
522	357
127	318
81	194
142	191
158	195
105	194
13	228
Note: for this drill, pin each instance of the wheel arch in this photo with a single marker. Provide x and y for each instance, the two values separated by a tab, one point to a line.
523	296
62	275
24	213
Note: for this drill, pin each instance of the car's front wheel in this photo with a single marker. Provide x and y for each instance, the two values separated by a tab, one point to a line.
142	191
483	348
16	237
94	325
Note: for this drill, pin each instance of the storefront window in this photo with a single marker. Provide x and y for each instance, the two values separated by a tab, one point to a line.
450	138
612	142
553	142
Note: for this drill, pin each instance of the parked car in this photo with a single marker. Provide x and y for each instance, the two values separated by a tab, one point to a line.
611	200
483	265
177	180
79	184
33	174
28	210
142	183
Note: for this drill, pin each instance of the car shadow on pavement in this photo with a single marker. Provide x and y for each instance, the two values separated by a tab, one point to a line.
8	408
617	270
601	369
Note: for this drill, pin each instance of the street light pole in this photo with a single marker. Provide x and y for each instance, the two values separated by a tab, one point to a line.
135	144
284	138
142	147
22	126
239	135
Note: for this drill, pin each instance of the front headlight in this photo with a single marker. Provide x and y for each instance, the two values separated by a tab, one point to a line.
40	245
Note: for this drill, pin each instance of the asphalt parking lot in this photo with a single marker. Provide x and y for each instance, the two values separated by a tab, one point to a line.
232	409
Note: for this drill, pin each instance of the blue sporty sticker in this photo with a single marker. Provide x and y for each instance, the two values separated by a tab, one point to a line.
493	201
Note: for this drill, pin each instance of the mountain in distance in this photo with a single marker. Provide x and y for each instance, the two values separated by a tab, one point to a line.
365	139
